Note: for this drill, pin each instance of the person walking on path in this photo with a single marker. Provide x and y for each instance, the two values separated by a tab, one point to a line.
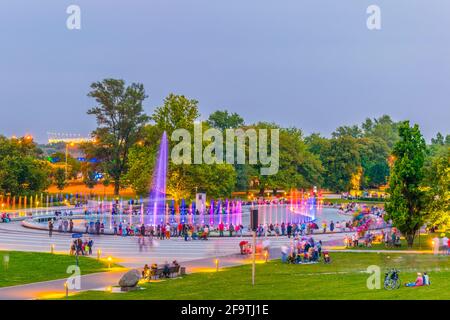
231	230
50	228
444	244
221	227
436	242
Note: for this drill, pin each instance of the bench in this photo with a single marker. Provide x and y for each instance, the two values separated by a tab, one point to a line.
159	273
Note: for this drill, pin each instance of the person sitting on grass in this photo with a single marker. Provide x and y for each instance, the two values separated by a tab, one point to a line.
291	258
426	279
284	254
418	283
326	257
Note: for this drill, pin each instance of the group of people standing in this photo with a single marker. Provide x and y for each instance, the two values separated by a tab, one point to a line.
5	217
82	247
63	225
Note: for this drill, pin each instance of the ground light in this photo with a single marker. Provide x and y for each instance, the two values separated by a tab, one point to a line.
66	288
6	262
216	261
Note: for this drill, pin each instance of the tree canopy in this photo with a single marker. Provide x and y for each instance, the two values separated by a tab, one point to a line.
120	119
406	205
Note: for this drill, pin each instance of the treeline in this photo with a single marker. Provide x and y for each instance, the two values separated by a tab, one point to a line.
126	142
354	157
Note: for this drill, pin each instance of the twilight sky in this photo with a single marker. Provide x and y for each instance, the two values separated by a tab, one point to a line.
311	64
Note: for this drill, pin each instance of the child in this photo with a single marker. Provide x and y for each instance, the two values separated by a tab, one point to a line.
426	279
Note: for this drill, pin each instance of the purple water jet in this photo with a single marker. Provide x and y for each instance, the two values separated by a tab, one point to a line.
157	199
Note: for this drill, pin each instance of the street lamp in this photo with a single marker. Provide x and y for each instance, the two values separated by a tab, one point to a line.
67	154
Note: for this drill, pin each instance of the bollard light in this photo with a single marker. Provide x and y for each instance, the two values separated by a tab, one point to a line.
99	253
66	288
266	255
6	262
52	249
216	261
109	262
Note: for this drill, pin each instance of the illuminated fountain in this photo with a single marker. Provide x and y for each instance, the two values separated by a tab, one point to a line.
157	199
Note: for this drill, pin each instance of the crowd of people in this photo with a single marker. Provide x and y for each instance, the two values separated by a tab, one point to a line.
81	247
304	250
5	217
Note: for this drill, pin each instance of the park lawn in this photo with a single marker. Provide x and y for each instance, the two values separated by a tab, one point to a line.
345	278
422	244
29	267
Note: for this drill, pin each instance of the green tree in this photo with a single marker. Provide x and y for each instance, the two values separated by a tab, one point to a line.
177	112
120	119
90	179
223	120
142	159
180	112
353	131
437	188
439	140
406	199
21	170
74	166
374	154
340	158
384	128
60	178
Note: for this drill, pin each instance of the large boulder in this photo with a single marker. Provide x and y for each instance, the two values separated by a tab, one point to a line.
130	280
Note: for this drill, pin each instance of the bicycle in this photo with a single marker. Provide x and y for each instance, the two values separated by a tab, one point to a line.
392	280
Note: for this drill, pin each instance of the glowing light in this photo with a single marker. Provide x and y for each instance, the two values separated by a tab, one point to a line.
216	261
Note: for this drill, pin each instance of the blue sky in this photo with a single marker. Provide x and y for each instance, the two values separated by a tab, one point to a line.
311	64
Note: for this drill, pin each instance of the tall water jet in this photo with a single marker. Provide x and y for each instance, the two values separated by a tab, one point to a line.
158	190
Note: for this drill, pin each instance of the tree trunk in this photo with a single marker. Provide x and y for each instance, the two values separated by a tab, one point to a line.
410	239
261	191
116	187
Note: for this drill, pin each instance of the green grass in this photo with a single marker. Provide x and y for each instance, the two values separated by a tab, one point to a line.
343	279
28	267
